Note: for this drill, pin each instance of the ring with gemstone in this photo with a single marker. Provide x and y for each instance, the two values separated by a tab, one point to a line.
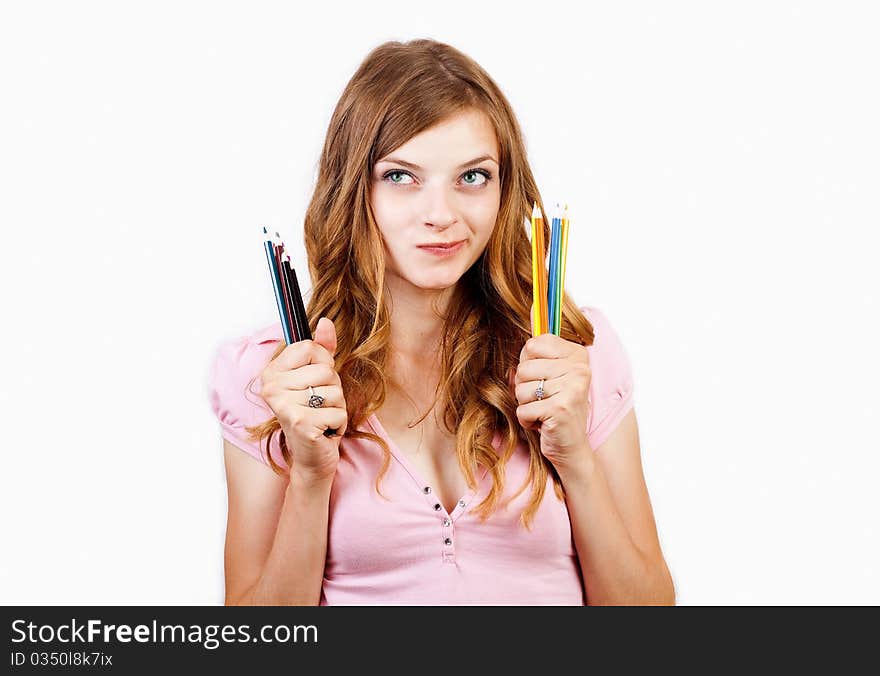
315	400
539	393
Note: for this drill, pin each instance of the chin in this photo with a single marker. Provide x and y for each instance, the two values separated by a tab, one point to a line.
434	284
438	286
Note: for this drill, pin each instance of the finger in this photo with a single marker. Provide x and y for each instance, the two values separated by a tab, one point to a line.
535	369
525	392
299	354
325	334
313	426
547	346
332	398
309	374
331	394
532	414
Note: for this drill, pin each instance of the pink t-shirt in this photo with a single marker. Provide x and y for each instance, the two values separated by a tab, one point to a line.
409	549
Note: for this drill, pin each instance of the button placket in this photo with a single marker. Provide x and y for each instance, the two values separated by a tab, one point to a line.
447	540
446	531
447	522
431	499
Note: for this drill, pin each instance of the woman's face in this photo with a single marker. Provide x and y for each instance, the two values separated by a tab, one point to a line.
441	186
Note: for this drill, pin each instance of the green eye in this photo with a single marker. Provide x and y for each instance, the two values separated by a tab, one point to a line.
398	181
474	173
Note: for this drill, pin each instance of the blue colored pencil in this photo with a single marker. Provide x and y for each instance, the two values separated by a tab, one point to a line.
555	227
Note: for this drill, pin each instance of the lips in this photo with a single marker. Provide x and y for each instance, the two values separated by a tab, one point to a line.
442	249
439	245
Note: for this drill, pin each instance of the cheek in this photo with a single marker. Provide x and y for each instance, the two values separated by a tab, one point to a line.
483	216
390	212
485	209
381	204
389	197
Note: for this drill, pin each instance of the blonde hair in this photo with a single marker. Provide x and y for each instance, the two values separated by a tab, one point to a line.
398	91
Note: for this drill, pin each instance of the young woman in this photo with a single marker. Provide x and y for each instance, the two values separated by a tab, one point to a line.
473	463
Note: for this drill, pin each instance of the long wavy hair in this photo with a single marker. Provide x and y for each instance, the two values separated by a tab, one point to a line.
398	91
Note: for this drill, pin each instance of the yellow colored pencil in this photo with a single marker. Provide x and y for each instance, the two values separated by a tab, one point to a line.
536	291
536	317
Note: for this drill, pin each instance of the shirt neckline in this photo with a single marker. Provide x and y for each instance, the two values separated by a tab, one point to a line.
460	505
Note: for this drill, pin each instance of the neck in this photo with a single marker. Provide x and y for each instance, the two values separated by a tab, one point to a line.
417	321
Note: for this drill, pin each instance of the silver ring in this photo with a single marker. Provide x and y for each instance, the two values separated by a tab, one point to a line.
315	400
539	393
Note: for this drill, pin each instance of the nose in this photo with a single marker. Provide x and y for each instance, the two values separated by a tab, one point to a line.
438	211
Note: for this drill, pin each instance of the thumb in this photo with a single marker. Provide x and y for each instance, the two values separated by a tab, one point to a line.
325	335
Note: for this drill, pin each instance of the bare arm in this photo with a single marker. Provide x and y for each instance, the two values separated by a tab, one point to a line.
613	525
276	533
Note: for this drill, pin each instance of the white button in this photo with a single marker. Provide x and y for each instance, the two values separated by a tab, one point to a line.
461	503
427	489
446	522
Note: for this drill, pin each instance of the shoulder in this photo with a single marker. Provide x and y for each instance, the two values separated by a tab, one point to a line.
607	348
245	355
234	385
612	380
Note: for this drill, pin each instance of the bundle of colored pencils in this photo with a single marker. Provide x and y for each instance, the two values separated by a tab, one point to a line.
294	322
547	290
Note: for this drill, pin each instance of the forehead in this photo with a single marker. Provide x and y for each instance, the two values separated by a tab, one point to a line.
452	141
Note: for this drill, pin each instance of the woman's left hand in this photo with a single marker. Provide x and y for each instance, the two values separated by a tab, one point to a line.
562	415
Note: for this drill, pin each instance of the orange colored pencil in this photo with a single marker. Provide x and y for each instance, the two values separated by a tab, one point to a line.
539	272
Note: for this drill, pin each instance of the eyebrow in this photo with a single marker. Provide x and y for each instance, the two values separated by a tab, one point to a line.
417	167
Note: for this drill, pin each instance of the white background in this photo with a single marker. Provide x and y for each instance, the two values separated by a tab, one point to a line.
721	162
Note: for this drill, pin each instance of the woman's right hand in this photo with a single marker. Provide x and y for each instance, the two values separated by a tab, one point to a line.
286	381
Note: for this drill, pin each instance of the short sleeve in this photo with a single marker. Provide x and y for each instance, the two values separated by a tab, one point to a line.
234	390
612	383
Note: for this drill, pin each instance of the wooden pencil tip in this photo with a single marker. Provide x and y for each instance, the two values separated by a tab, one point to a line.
536	212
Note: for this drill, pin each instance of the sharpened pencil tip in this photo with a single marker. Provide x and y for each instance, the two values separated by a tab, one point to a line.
536	212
